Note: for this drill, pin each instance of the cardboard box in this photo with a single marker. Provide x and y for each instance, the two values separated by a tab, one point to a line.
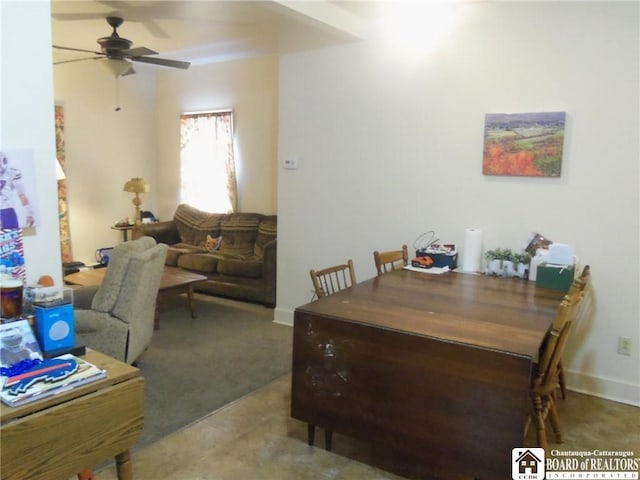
55	327
428	260
556	277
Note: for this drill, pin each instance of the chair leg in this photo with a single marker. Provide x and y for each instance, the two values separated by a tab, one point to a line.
311	432
538	418
328	436
561	381
554	420
526	426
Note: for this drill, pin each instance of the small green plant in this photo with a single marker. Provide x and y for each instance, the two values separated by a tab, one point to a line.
507	254
495	254
523	257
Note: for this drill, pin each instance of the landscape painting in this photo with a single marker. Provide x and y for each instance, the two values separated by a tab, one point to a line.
523	144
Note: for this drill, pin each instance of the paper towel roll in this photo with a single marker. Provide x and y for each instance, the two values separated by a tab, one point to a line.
472	259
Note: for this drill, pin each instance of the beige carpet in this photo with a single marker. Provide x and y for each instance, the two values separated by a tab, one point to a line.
195	366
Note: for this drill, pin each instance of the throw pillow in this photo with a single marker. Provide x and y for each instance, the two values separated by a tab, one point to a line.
212	244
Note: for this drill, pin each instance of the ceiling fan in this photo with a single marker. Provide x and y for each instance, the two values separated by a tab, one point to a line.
118	50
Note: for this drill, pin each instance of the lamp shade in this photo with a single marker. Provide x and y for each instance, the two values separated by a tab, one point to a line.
59	171
117	66
136	185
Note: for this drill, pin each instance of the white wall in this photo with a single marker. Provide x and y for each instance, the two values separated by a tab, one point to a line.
27	122
104	148
250	88
389	148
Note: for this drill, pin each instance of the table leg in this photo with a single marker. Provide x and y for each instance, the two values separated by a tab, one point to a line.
156	318
311	433
124	467
190	300
180	289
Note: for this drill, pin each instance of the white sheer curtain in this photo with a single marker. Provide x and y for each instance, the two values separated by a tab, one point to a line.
207	164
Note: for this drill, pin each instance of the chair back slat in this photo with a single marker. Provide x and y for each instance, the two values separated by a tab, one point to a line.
333	279
391	260
556	339
581	288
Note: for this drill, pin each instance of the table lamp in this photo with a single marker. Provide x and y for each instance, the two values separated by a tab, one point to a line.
136	185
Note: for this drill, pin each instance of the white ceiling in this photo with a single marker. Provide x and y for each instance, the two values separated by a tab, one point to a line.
204	31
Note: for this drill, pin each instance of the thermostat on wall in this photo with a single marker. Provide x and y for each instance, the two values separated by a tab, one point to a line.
290	163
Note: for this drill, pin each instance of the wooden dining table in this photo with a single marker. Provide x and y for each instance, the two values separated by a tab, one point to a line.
437	367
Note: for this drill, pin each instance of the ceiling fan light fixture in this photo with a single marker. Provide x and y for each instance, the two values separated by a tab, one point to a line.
119	54
117	66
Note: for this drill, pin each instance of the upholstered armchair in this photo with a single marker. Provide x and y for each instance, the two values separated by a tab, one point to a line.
117	317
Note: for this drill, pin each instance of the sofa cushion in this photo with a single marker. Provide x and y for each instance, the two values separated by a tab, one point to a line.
175	251
240	268
194	225
267	231
199	262
239	233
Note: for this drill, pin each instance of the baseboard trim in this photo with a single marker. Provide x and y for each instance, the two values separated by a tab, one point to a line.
603	387
282	316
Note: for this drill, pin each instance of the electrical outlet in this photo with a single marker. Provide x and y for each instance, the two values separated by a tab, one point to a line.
624	346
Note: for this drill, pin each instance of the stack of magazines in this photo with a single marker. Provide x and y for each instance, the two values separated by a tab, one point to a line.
25	376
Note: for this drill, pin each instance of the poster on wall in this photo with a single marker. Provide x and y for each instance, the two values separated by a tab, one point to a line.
523	144
18	203
12	254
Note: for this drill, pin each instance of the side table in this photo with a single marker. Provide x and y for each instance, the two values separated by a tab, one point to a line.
62	435
124	230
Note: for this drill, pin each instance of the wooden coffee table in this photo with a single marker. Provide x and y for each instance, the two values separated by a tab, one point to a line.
174	280
59	436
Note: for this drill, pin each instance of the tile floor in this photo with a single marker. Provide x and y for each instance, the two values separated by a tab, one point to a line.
254	438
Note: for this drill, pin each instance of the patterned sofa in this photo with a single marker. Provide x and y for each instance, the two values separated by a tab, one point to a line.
243	266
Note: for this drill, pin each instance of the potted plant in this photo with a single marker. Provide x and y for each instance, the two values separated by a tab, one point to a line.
494	261
508	269
522	261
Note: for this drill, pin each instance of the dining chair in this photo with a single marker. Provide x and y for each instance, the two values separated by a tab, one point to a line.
333	279
578	287
391	260
327	282
546	377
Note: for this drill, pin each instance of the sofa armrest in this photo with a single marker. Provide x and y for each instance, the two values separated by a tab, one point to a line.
269	272
83	296
161	232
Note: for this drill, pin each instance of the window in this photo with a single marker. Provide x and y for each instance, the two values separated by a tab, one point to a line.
207	164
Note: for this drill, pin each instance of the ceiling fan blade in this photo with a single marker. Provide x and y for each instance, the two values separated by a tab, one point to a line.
76	49
78	60
139	52
162	61
76	16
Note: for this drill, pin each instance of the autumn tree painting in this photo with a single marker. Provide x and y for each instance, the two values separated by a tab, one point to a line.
523	144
